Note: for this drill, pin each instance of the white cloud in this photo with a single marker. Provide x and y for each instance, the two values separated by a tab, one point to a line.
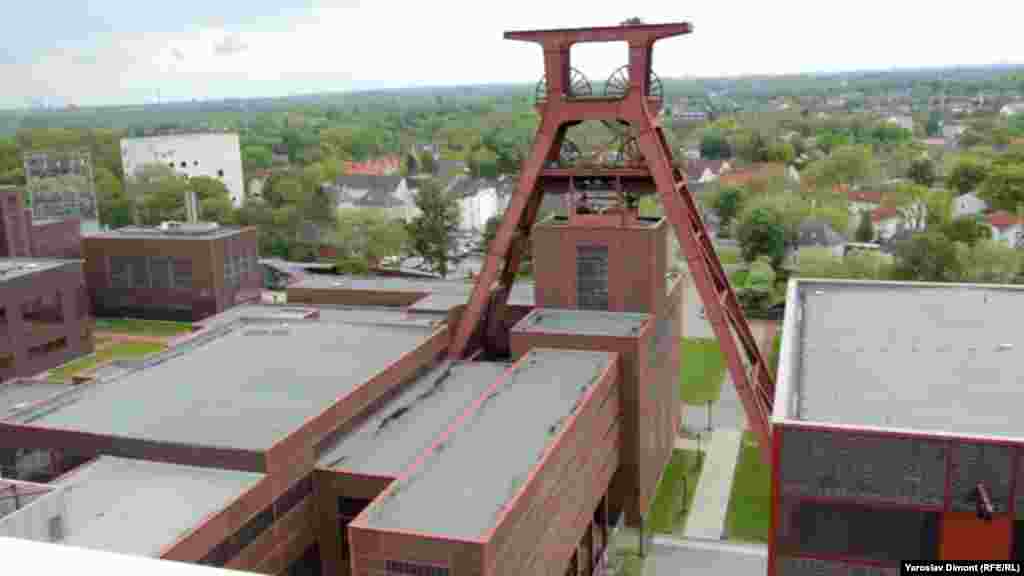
458	41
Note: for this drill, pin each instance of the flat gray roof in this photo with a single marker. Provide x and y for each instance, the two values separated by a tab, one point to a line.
19	394
448	292
242	386
140	232
583	322
11	268
461	486
327	313
390	439
931	357
139	507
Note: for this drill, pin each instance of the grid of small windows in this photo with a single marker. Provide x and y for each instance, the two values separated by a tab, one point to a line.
400	568
150	272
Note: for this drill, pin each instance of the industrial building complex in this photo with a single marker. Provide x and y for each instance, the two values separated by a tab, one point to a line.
386	426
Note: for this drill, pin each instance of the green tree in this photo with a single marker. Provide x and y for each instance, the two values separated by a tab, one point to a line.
427	164
257	157
761	233
756	291
967	230
990	262
933	128
728	203
368	235
432	232
714	145
967	175
928	257
115	207
214	199
1004	187
922	171
865	231
846	166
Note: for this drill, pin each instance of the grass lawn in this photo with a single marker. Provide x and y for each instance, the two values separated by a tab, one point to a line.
728	254
701	371
776	349
649	207
122	351
141	327
738	277
749	515
666	515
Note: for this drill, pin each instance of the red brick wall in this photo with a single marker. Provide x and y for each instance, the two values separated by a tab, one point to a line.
635	283
542	520
17	337
59	239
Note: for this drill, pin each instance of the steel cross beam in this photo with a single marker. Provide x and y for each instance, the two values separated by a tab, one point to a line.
559	111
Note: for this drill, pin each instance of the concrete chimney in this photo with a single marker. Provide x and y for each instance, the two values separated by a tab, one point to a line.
191	207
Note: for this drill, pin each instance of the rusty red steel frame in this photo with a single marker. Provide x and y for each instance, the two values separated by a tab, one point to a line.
637	108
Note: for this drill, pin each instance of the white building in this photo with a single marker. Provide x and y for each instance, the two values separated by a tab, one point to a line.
887	221
968	205
905	122
1006	228
215	155
479	201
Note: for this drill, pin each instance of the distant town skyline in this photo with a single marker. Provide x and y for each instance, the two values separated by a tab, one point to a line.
113	52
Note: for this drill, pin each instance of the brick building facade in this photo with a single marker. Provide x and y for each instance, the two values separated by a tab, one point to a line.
183	272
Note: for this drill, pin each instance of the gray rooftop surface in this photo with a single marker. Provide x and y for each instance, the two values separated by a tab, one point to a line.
459	489
583	322
242	386
11	268
451	291
405	427
19	394
942	358
139	507
140	232
328	313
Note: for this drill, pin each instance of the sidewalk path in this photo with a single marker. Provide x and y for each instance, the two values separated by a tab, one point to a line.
674	556
706	519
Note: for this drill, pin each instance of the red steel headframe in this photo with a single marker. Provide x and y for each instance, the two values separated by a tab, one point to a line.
560	111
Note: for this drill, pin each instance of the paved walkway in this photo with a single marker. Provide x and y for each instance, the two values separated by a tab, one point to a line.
673	556
706	518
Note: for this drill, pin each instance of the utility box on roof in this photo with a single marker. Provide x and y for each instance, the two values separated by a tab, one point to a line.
615	268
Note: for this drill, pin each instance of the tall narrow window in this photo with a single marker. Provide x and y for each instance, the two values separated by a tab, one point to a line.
592	277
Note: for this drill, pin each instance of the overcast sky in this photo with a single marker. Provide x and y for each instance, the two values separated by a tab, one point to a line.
95	52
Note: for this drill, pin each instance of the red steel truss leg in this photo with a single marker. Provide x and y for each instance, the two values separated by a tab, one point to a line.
517	218
754	387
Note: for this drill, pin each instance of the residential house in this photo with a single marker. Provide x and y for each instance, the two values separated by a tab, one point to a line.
690	153
905	122
760	172
1006	227
861	201
1012	108
390	193
701	172
968	205
819	234
478	201
377	167
952	134
888	221
279	154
